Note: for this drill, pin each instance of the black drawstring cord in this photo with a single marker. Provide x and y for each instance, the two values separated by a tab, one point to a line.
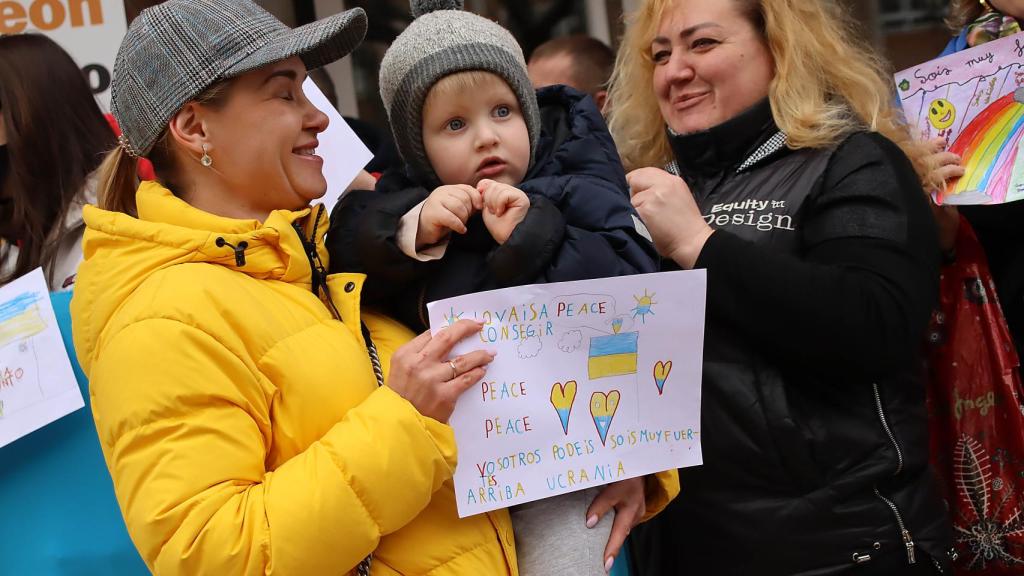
239	250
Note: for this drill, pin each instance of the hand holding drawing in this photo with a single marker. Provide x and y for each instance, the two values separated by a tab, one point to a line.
446	210
666	205
945	166
505	207
628	500
421	373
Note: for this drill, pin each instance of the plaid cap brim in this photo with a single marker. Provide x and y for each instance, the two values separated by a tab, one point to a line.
318	43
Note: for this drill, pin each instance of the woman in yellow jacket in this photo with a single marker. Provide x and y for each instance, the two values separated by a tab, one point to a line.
253	419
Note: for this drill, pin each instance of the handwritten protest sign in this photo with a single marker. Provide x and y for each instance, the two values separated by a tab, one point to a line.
37	385
89	30
343	152
595	381
973	99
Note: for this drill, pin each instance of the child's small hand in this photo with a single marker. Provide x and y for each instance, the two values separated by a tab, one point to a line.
629	501
504	208
446	210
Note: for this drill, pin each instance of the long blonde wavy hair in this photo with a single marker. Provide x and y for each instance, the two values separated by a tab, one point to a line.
827	84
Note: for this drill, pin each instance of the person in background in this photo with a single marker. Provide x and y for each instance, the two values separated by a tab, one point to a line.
579	61
976	341
999	228
61	514
52	138
254	418
799	191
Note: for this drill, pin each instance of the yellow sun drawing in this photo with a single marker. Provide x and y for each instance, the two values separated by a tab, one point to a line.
644	305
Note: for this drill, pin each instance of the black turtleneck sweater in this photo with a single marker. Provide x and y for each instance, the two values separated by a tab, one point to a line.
857	297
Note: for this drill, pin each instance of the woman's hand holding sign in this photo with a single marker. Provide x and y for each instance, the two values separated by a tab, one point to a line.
422	374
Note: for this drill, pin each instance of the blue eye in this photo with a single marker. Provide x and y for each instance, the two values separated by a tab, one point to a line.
503	111
456	125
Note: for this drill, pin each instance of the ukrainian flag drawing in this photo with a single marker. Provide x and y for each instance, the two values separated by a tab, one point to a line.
613	355
20	318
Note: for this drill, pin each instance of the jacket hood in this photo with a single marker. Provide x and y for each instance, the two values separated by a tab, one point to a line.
122	252
574	138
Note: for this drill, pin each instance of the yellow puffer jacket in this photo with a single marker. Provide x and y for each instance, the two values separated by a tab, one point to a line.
242	424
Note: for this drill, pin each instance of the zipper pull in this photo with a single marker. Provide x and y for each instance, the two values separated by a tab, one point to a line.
909	543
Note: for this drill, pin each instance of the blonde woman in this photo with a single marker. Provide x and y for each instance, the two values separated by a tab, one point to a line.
797	191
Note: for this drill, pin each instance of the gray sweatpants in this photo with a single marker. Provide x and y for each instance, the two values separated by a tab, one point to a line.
552	537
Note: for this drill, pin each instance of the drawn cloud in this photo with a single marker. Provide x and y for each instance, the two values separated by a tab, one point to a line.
570	341
529	347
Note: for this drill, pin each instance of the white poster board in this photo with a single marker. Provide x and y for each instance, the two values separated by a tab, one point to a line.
595	381
343	152
89	30
37	384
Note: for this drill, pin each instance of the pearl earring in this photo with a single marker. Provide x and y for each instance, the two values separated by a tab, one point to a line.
206	160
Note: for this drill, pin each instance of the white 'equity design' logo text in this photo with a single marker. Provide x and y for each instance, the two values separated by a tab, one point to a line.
754	213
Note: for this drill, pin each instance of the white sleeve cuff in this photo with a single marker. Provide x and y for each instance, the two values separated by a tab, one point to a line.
406	236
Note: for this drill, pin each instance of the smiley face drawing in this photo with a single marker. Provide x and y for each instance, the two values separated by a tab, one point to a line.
941	114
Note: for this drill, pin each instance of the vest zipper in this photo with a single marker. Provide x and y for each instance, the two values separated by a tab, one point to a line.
908	542
888	430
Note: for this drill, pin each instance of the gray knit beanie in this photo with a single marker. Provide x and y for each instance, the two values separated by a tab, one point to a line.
441	41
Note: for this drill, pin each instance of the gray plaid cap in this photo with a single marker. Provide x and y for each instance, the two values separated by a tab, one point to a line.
179	48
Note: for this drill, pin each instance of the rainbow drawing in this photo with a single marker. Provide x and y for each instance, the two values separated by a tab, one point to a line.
989	149
612	355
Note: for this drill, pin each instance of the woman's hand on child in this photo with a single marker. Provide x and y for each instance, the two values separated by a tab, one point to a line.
504	208
628	499
363	181
422	374
446	210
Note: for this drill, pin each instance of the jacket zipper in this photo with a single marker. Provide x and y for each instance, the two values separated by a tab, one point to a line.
317	268
908	542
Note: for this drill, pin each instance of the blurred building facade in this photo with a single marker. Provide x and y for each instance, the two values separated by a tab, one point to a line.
906	32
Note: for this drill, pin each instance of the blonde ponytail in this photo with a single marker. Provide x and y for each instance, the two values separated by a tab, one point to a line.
117	182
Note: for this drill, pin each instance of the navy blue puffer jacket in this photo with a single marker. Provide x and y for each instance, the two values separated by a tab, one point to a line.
580	224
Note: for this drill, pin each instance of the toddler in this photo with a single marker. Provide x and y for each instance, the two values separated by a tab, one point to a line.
502	186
